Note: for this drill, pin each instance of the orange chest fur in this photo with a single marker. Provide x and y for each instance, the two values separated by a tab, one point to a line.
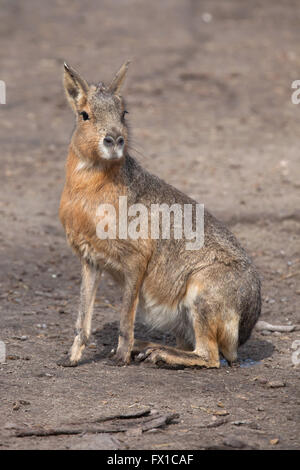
84	192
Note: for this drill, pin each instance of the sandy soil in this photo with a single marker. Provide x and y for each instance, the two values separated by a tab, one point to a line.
211	113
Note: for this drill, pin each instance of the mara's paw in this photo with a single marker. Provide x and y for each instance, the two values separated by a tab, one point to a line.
174	359
120	357
143	355
66	362
153	355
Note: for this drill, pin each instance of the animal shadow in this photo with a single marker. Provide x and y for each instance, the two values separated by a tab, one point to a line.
106	339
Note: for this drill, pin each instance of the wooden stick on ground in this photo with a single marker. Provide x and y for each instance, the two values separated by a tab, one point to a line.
156	422
102	419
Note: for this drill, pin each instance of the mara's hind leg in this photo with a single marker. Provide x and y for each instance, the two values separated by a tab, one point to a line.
207	357
89	283
204	354
228	337
140	345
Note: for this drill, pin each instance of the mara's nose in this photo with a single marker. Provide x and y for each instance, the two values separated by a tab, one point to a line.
109	141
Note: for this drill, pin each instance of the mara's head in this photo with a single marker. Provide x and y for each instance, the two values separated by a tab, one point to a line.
101	132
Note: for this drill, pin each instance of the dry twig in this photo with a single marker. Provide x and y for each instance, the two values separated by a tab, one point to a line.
156	422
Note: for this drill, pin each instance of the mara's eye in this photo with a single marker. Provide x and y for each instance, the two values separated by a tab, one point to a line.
123	115
84	115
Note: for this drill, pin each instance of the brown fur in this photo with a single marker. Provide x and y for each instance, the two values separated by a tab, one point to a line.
209	298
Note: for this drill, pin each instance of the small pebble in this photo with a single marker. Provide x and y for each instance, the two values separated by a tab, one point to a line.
17	404
24	402
12	357
274	441
221	413
239	423
276	384
234	442
261	380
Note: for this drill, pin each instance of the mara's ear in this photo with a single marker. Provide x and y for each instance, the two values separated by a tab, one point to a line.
118	80
76	88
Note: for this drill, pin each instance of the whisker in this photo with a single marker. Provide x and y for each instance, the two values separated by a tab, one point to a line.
130	147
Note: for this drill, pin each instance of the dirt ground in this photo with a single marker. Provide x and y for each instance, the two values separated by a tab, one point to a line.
209	95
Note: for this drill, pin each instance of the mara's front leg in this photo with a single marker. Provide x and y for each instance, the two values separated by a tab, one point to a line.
89	284
128	312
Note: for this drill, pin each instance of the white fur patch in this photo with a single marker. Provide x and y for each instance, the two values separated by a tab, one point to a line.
156	315
107	154
191	295
82	165
178	319
120	152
